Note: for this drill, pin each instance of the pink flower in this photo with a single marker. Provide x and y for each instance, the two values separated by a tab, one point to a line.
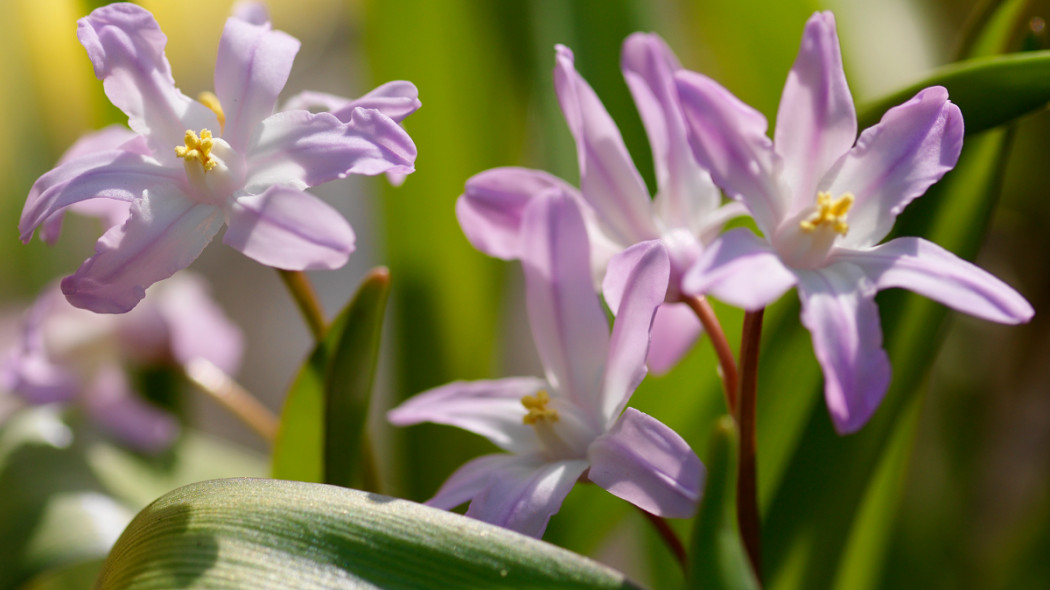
188	168
69	355
824	199
572	422
685	214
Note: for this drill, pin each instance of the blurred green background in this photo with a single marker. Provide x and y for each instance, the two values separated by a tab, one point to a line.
962	496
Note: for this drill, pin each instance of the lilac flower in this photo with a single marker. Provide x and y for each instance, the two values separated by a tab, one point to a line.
568	424
69	355
192	167
824	199
684	215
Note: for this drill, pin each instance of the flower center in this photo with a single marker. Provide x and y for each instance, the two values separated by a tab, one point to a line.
538	410
198	148
830	213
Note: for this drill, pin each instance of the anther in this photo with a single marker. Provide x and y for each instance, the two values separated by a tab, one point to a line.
538	410
830	212
198	148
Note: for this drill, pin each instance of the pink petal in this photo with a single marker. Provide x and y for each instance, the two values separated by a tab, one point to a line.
523	497
926	268
252	12
816	121
197	326
304	149
397	100
114	174
741	270
566	316
895	161
675	331
126	48
838	309
289	229
645	279
164	233
608	179
252	68
472	478
490	408
646	463
685	192
728	138
491	208
116	407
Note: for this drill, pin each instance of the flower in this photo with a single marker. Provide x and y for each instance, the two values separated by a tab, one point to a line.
66	355
568	424
684	215
191	167
824	199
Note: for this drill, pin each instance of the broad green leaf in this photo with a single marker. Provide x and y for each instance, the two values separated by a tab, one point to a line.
990	91
298	452
348	385
252	533
717	558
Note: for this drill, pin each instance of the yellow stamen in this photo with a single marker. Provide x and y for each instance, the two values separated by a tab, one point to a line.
537	407
198	148
211	101
830	212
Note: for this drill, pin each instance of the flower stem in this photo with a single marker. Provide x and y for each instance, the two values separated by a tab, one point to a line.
747	477
703	311
306	298
230	395
668	535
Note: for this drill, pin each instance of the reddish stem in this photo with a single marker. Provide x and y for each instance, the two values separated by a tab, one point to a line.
703	311
747	473
668	535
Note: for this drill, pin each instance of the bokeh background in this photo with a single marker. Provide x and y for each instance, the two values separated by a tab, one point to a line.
964	500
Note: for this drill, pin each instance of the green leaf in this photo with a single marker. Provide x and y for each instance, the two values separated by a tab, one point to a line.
252	533
990	91
717	558
348	385
299	450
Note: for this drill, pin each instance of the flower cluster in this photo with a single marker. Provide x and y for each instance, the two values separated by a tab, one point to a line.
821	197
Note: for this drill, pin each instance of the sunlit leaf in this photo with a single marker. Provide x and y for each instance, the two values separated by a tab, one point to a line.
245	533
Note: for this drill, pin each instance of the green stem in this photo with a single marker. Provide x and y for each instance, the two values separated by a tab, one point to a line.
306	298
229	394
713	328
747	477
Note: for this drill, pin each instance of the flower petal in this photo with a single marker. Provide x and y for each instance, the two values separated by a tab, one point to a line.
27	370
289	229
924	267
197	326
895	161
114	174
644	270
675	330
816	121
126	47
686	193
608	179
164	233
566	316
491	208
643	461
472	478
838	309
523	497
728	138
490	408
303	149
740	269
252	67
397	100
116	407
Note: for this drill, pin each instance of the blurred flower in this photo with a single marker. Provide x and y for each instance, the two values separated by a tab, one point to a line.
69	355
684	215
573	421
188	167
824	199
